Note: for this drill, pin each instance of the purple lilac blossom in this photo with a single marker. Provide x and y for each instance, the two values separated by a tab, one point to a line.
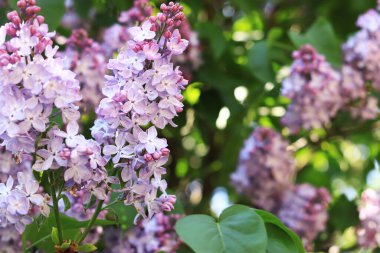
369	214
266	168
304	210
361	54
144	90
87	60
149	236
314	89
10	240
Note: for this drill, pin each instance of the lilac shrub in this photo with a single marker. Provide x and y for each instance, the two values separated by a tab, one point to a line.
39	114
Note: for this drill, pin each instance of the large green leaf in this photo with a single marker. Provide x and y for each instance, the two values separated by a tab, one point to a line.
214	34
322	36
259	62
279	240
279	235
52	10
238	230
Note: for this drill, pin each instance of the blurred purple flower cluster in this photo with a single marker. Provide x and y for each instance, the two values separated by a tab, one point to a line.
369	214
149	236
318	92
313	87
88	60
266	168
265	174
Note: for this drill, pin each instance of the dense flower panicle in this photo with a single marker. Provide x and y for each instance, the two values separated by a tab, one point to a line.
149	236
314	89
10	240
304	210
266	167
369	214
144	90
32	80
361	65
87	60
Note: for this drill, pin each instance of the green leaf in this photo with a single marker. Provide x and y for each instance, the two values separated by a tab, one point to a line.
67	202
259	62
87	248
65	245
215	36
344	213
271	220
42	238
279	240
322	36
54	235
53	11
238	230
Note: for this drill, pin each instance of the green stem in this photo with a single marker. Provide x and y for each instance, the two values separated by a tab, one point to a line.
111	204
56	210
91	222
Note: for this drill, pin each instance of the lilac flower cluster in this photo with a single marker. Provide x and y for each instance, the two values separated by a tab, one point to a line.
149	236
143	94
313	87
266	167
361	65
33	85
33	82
304	210
369	214
86	58
265	174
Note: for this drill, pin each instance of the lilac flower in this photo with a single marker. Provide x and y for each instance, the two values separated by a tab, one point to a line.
25	41
143	32
150	141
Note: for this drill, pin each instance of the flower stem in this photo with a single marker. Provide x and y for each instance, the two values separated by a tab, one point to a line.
56	210
91	222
